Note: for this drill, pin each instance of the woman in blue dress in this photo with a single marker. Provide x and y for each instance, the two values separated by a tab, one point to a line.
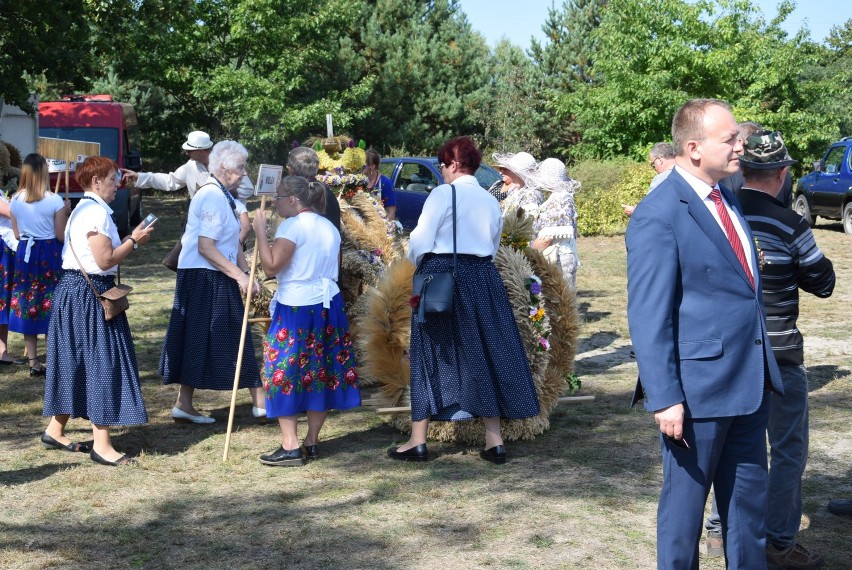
91	362
309	362
38	220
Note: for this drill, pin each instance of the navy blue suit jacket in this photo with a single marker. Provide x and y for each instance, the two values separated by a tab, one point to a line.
698	327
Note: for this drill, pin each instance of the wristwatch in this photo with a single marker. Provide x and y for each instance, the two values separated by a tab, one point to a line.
135	243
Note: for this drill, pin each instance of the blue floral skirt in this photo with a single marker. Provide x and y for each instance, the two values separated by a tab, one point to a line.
7	270
203	337
470	363
32	286
308	360
91	363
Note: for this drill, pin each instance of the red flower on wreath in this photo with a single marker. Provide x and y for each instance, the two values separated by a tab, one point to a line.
282	335
278	377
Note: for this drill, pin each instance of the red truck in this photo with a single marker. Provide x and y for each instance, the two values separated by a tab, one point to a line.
99	119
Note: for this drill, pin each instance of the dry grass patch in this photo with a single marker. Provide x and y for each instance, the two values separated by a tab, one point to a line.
582	495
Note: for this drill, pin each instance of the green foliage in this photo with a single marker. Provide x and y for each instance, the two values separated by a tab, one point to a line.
606	186
516	83
656	54
42	37
429	72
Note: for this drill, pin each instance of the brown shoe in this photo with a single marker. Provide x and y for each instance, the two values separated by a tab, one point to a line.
796	556
715	543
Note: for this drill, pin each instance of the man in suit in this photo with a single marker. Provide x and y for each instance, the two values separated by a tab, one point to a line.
698	327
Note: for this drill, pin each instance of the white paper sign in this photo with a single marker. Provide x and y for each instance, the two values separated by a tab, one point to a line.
268	178
54	165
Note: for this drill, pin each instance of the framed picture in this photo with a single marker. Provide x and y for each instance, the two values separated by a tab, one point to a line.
268	178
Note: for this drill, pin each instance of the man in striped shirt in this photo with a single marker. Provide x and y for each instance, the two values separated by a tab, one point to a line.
789	260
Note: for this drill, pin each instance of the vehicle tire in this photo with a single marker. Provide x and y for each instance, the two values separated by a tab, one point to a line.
847	218
800	205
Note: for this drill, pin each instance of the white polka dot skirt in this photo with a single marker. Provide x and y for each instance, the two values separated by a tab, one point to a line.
203	336
471	363
91	363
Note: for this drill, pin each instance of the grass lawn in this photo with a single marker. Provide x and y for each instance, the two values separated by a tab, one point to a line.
582	495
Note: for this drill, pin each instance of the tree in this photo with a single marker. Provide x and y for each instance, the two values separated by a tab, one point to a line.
49	38
429	72
515	83
656	54
263	72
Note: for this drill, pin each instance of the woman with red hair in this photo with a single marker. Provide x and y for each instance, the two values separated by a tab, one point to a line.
91	362
470	363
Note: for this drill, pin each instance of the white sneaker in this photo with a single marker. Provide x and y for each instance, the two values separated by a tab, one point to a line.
258	412
181	417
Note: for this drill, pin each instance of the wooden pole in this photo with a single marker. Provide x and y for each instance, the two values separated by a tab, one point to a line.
67	186
242	338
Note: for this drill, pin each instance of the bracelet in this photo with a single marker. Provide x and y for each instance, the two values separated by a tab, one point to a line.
135	243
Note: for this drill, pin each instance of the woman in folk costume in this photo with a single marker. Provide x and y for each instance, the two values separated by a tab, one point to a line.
556	219
308	357
517	191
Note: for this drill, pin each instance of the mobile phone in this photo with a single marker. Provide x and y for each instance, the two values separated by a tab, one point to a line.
149	219
681	443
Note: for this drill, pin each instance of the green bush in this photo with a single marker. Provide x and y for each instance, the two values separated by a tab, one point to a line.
607	184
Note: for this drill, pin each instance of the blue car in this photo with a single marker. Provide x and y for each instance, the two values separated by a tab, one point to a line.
414	178
827	191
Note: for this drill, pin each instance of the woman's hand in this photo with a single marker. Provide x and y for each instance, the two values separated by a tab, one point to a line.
541	243
259	224
142	234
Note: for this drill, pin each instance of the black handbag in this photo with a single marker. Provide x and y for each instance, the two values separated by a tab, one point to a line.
435	290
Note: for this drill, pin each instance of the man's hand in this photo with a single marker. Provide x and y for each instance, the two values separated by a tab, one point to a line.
670	420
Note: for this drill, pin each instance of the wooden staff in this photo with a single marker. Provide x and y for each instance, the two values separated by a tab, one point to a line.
243	338
67	186
58	180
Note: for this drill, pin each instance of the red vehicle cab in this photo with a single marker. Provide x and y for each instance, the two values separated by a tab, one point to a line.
99	119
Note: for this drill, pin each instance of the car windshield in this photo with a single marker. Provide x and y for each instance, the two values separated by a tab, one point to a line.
485	175
105	136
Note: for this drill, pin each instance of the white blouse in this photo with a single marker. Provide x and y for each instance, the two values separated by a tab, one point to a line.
89	216
211	216
311	275
7	234
478	221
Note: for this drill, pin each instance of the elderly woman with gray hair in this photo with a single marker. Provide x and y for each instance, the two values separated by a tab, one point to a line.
556	218
202	340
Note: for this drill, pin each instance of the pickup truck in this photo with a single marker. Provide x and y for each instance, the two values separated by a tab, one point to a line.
414	177
827	191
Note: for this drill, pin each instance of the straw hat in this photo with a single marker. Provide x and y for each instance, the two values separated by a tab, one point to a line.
551	176
197	140
521	163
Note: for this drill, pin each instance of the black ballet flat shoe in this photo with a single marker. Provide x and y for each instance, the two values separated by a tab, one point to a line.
312	452
123	460
416	453
284	457
51	443
496	455
39	370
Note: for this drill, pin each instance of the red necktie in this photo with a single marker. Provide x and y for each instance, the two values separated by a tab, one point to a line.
731	232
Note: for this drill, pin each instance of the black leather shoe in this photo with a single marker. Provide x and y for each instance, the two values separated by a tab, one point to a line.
284	457
51	443
416	453
123	460
496	454
311	452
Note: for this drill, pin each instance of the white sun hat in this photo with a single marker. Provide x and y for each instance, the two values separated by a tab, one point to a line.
197	140
521	163
551	176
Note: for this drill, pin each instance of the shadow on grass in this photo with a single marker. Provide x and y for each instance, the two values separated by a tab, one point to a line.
821	375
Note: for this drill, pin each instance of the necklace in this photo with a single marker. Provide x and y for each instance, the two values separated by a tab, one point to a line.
304	210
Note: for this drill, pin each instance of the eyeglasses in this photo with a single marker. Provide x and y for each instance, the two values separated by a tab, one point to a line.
654	162
284	196
442	166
